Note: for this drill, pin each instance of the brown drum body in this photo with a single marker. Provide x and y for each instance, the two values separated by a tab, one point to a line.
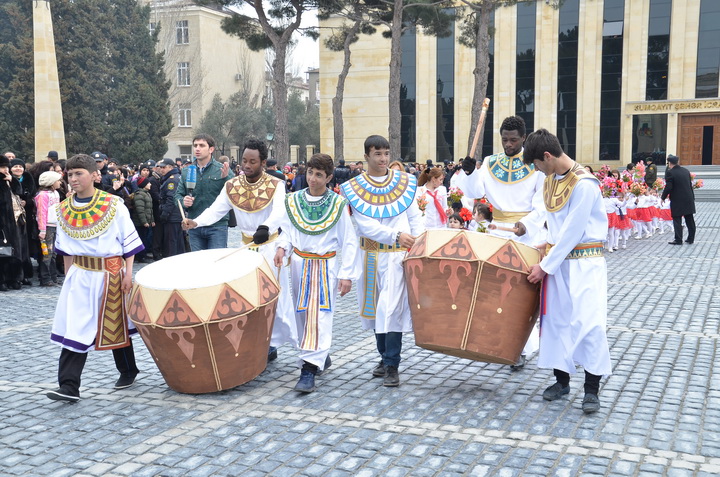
206	338
469	295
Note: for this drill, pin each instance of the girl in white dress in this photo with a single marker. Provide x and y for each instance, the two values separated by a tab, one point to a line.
435	194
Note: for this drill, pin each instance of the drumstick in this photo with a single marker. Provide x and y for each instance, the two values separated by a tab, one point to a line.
236	250
182	211
481	121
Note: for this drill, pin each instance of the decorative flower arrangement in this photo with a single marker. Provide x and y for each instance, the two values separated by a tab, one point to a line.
609	186
697	183
455	194
626	176
422	203
638	189
659	185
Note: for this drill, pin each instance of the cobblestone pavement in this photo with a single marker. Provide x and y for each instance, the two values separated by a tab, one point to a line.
660	410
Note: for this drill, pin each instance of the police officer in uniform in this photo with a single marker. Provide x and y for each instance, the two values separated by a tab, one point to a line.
173	239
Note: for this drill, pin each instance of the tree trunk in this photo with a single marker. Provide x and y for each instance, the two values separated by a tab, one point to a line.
337	101
281	136
396	29
481	73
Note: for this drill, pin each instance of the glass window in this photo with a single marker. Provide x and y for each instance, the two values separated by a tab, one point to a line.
445	115
525	63
649	137
186	152
567	75
184	115
658	50
611	80
182	33
407	97
152	26
183	74
708	58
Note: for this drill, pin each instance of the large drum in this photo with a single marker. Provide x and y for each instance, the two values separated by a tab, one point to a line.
206	317
469	295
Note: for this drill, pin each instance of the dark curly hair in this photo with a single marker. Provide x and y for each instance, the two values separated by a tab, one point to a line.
257	145
513	123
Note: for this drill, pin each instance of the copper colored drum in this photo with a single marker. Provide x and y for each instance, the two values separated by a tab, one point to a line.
206	317
469	295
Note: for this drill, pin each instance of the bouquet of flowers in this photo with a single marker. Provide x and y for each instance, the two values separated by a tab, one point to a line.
603	172
455	194
422	203
609	187
697	183
659	184
626	177
637	189
336	189
639	171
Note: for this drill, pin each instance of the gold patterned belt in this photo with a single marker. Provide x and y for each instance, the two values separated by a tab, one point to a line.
112	265
508	217
249	238
314	256
373	246
583	250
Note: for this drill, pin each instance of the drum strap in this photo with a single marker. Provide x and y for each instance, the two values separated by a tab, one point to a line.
112	317
314	294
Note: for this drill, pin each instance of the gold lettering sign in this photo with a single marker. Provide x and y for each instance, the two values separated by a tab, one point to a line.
675	106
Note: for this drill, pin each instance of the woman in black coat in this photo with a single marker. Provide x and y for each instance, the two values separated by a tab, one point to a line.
10	266
26	190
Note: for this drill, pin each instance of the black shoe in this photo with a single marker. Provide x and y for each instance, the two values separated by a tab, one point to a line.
125	381
3	287
61	394
48	284
392	377
306	383
675	243
520	364
16	285
272	354
27	282
556	391
328	363
379	370
591	403
690	242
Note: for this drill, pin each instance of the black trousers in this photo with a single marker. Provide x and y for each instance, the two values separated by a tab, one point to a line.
158	238
592	381
677	225
174	240
71	365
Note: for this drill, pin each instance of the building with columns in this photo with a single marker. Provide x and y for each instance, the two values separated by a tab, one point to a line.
616	80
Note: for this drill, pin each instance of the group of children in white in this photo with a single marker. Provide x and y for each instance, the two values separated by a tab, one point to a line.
634	208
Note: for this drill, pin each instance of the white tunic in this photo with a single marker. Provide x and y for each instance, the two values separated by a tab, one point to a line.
271	216
392	312
75	325
340	237
523	196
573	326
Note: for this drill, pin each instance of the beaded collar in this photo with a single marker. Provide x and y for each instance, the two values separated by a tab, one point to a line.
87	221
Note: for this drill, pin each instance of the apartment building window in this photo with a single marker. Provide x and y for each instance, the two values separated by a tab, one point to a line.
183	74
182	33
152	26
186	152
184	115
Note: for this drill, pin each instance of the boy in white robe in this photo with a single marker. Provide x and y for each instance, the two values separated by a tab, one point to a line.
316	226
388	221
575	287
98	240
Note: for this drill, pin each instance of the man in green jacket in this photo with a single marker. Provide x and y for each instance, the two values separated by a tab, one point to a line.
211	178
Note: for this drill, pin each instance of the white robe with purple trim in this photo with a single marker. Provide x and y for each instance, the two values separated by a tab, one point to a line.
75	326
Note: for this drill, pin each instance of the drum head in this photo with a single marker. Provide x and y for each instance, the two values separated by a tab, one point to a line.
200	269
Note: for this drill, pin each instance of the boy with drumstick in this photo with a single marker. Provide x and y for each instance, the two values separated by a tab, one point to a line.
98	241
317	224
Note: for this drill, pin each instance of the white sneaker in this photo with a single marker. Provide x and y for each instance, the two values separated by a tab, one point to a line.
624	246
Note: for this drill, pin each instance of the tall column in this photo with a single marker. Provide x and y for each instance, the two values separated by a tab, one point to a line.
49	129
